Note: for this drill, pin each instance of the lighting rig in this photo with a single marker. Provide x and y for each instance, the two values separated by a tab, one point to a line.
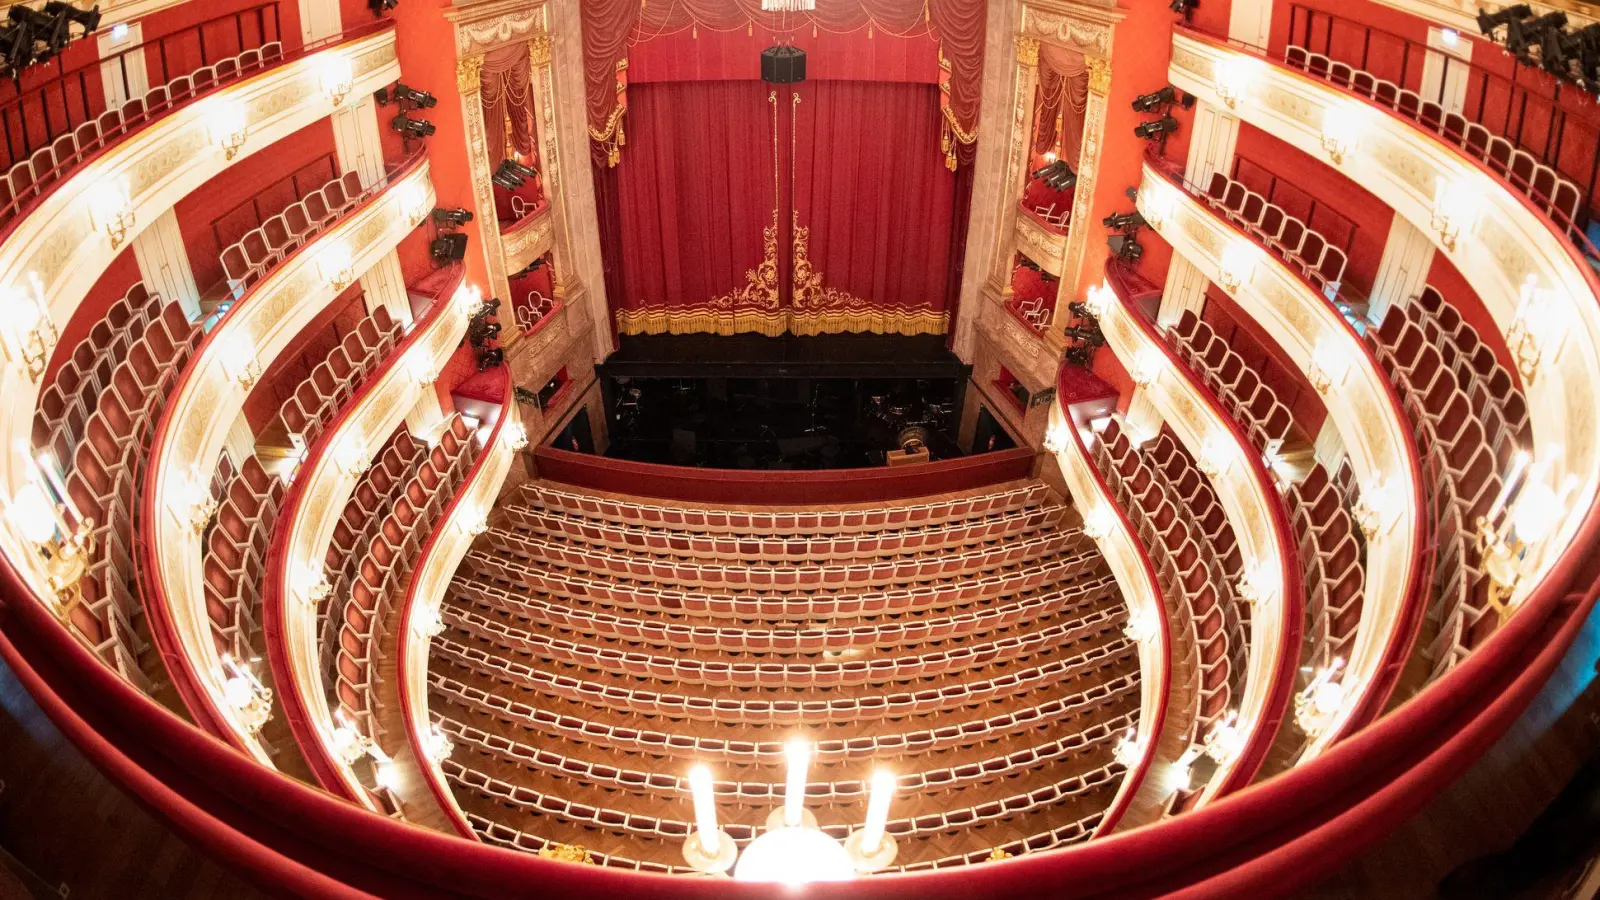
1156	129
1184	8
379	7
1057	174
1160	102
29	36
1125	244
408	99
449	246
1545	42
1083	336
511	174
482	329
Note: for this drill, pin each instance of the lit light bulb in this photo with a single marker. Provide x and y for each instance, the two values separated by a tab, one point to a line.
437	745
798	754
337	78
33	514
227	125
705	809
1099	299
882	792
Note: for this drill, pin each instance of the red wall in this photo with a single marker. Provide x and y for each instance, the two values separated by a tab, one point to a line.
1303	177
261	177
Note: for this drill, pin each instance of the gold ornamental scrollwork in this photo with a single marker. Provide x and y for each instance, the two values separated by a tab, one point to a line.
1027	51
539	51
1099	75
469	74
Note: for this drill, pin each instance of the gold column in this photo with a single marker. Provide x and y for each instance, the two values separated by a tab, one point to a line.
469	70
1027	80
1094	125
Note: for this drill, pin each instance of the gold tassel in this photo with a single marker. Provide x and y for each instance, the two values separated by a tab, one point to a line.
622	135
950	160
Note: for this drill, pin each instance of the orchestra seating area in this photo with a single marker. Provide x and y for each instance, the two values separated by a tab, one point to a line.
970	642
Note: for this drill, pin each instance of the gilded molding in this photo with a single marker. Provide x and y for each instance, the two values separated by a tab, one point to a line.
1042	245
469	75
539	50
496	28
528	241
1027	51
1091	37
1099	75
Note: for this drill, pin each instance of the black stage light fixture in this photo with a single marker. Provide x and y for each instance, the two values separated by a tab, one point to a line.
487	308
507	178
379	7
86	19
1589	57
406	96
411	128
1523	35
482	331
520	169
1058	175
783	64
1489	21
1125	247
1148	102
1124	221
452	218
1558	51
1184	8
16	49
448	248
489	359
1155	128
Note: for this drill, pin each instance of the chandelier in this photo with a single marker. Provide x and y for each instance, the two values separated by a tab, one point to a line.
792	850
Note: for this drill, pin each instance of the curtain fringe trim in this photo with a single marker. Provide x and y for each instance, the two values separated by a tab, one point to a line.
704	320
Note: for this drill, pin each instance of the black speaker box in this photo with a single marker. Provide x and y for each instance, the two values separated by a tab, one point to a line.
783	65
451	247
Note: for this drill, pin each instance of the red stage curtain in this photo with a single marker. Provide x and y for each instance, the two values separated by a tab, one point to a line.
696	200
507	98
610	26
873	209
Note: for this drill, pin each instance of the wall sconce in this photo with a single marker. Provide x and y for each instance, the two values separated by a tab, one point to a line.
1329	367
1129	750
1224	741
1316	707
472	523
1376	511
352	457
27	334
1055	438
1214	458
437	745
227	126
1180	776
311	584
1237	265
427	621
1141	626
469	298
110	209
1097	523
347	744
1537	331
1100	299
516	436
1455	210
1146	367
1342	125
421	369
1234	77
1255	586
239	362
1156	203
414	202
337	78
1511	536
40	511
191	498
384	772
333	261
251	700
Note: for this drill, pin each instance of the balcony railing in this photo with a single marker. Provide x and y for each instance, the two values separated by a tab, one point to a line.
1555	124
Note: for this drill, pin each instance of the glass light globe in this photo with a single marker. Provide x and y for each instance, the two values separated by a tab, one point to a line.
794	856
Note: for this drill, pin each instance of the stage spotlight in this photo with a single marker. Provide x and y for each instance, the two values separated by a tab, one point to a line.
411	128
1156	128
511	174
490	359
1488	22
452	218
1523	35
1184	8
379	7
482	331
406	96
486	309
1147	102
16	50
448	248
1125	247
1124	221
1057	175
